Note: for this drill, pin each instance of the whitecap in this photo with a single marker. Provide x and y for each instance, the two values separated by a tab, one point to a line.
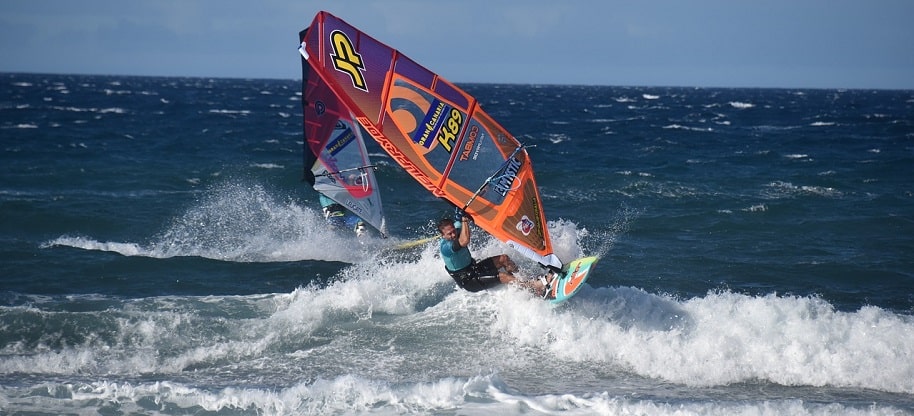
218	111
267	165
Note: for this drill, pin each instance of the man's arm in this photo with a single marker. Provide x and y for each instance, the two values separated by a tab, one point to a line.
464	238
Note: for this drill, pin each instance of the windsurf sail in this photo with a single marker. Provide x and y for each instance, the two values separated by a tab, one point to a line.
436	131
336	161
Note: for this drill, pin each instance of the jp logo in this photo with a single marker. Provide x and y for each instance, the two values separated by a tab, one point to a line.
347	60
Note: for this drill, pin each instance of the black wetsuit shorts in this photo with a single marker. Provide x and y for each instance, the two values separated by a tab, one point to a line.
477	276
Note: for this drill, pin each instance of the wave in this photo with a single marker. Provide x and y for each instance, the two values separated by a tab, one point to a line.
391	319
354	394
725	338
720	339
681	127
779	189
126	249
741	105
231	112
109	110
242	223
397	315
268	166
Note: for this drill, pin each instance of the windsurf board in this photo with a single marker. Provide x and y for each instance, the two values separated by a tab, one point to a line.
570	279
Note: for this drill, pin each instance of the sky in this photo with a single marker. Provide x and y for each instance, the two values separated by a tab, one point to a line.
854	44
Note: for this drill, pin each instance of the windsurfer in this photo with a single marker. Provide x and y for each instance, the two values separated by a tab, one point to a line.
466	271
340	218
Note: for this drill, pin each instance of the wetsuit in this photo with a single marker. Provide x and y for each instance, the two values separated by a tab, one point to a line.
466	271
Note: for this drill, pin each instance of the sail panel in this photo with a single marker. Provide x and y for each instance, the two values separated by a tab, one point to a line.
354	63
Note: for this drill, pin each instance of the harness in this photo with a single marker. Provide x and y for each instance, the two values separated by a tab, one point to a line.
464	275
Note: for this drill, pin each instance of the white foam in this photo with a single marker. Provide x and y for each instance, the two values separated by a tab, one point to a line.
239	222
267	166
479	395
392	313
681	127
726	338
787	189
741	105
396	312
226	111
126	249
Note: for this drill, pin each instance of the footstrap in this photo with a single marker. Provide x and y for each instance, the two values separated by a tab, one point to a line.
547	284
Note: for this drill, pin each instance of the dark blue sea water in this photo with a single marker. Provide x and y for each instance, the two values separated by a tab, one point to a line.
159	254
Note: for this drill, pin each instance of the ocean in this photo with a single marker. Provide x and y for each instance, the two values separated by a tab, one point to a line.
160	255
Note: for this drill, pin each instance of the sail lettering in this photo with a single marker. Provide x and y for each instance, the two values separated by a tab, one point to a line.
471	140
347	60
448	134
401	158
335	145
429	126
505	180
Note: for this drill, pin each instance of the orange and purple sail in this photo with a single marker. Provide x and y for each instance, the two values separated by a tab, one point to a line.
436	131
